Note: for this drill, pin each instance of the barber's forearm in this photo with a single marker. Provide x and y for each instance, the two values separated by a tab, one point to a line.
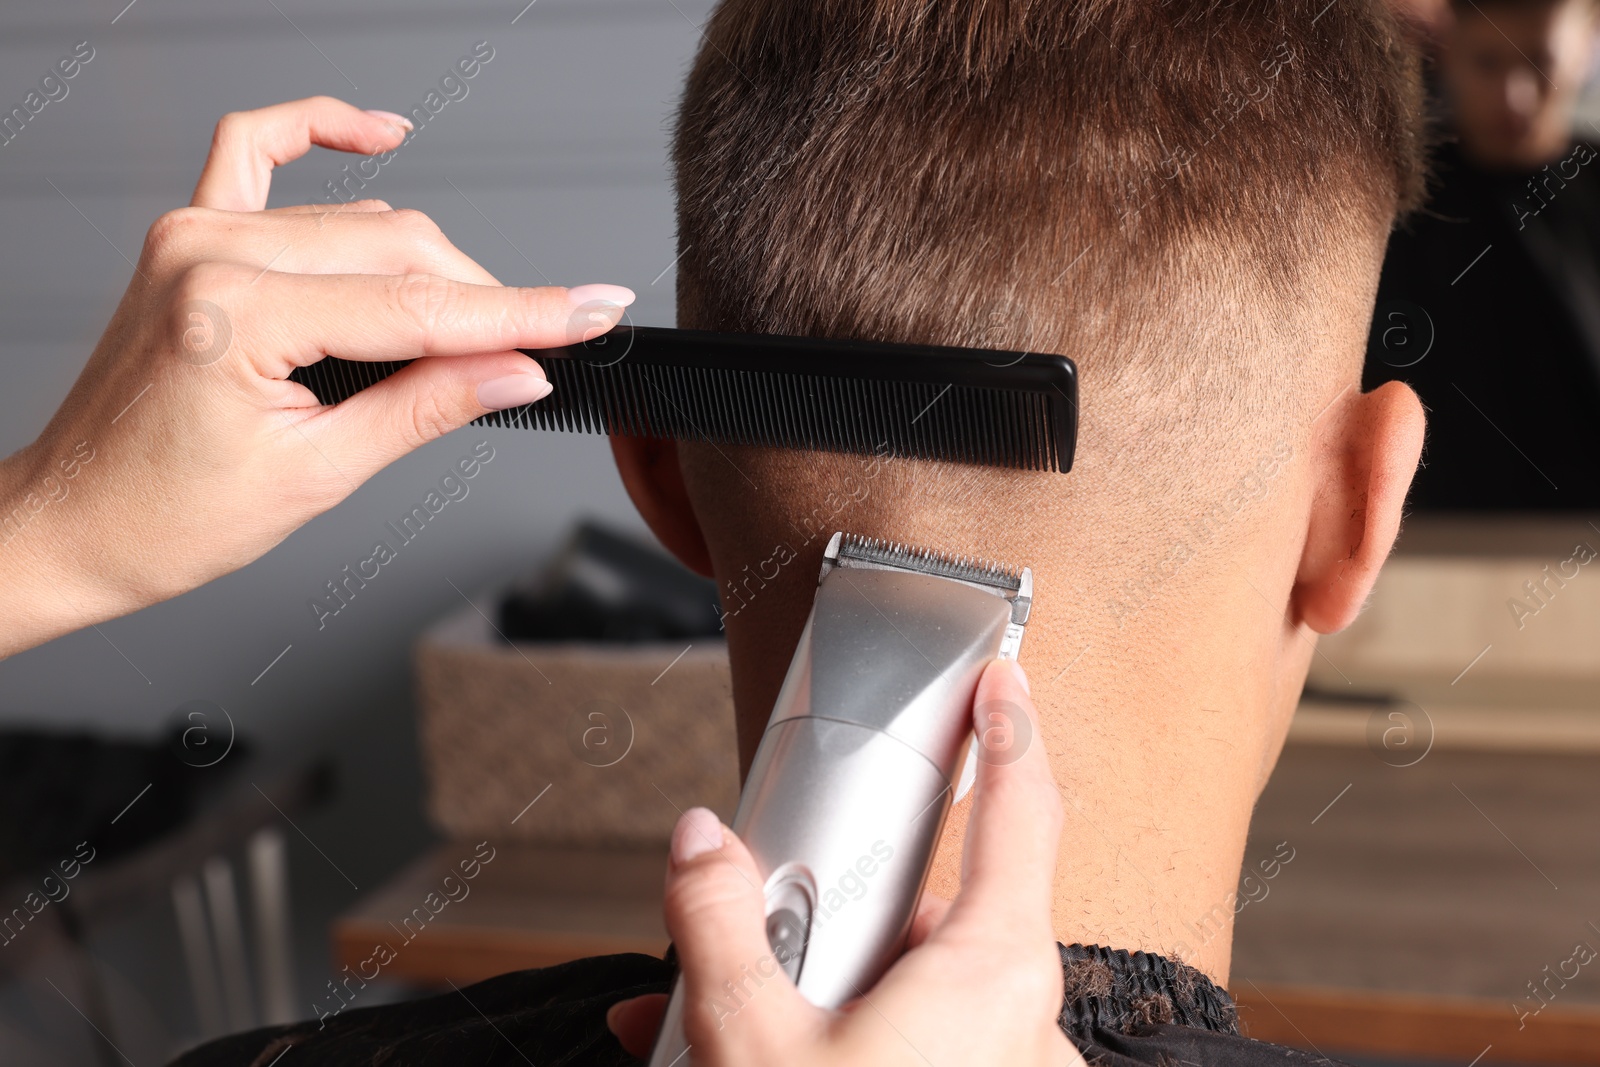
42	595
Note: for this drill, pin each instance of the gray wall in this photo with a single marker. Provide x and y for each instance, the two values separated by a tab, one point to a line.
561	144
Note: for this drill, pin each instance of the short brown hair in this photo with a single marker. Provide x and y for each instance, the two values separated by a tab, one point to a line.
916	170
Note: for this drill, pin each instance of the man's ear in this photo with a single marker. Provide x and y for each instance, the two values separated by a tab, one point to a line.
1365	456
654	481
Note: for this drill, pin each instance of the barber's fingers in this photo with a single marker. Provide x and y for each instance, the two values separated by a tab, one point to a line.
247	145
466	330
352	207
1013	834
738	1001
376	242
420	403
373	240
636	1021
392	317
366	242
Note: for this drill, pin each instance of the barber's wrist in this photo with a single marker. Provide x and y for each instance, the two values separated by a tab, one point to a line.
45	588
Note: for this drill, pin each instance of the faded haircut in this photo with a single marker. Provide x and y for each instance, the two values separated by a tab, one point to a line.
1149	187
906	169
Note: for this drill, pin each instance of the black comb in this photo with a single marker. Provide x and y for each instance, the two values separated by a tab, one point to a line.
964	405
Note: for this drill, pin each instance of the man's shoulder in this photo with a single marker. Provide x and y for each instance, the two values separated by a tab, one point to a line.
549	1015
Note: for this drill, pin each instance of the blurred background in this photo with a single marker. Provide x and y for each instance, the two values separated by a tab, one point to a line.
267	794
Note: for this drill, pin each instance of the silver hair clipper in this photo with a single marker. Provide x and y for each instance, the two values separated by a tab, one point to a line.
855	774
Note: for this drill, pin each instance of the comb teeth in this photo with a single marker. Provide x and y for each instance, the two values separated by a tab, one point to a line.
1016	410
928	561
962	424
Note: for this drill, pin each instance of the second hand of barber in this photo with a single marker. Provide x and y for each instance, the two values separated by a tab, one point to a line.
184	405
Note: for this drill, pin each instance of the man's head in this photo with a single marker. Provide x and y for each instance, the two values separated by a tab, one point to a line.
1192	200
1514	70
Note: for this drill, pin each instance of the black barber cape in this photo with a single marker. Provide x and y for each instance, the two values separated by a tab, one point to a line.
1129	1009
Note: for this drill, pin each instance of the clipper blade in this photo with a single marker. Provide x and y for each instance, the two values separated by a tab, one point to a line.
852	550
926	560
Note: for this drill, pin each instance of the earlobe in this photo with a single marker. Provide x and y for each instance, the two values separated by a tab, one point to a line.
1366	455
650	473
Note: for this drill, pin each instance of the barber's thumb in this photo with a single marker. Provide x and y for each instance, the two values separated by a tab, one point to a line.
716	915
1013	832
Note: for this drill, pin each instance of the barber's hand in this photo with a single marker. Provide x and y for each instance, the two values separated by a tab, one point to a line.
980	985
182	453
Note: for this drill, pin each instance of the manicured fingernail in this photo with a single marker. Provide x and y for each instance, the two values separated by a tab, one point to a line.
1022	677
698	832
391	118
611	1016
581	295
512	391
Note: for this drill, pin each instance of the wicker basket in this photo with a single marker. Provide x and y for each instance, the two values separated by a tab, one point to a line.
571	742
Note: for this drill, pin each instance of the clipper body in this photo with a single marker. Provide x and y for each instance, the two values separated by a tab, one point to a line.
854	776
